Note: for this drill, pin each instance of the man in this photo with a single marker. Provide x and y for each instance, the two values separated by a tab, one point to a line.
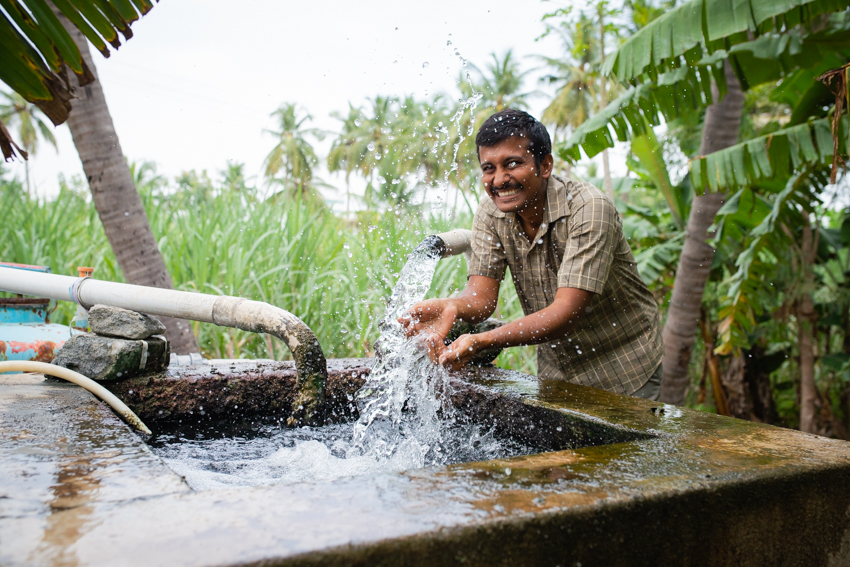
585	304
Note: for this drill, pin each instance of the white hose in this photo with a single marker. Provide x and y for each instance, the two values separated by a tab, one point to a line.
79	380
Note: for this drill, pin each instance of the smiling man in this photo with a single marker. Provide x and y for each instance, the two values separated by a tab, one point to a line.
585	305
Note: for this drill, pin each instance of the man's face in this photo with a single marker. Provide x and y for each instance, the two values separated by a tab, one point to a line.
511	177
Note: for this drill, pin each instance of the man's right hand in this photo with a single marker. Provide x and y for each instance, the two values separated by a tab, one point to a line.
430	317
432	320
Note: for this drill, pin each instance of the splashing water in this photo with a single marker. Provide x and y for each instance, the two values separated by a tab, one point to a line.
405	421
403	378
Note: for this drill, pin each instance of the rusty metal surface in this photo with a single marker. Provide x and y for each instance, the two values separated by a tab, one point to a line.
26	332
25	301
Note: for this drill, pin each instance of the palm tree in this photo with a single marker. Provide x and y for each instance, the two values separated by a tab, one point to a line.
582	89
15	111
722	124
501	83
114	192
341	154
365	139
293	154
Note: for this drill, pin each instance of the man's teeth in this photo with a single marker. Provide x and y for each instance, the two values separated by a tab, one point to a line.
508	193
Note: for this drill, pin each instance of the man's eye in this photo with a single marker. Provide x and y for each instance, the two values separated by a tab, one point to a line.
512	164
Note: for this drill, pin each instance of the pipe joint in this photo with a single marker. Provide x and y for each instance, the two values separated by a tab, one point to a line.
310	363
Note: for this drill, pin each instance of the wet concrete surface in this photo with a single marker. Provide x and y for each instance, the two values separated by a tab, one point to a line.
61	450
689	489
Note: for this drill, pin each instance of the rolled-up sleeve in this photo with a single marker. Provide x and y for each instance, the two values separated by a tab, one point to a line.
487	254
590	247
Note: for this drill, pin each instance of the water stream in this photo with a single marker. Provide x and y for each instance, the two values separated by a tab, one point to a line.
404	420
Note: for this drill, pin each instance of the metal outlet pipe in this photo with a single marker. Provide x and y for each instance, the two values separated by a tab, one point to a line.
222	310
454	242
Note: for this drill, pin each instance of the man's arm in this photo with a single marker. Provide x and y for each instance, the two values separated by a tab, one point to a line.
551	323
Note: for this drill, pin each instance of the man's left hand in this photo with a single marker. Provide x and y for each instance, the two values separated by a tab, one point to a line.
464	349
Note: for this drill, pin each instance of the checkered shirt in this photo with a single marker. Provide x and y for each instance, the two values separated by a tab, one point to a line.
617	344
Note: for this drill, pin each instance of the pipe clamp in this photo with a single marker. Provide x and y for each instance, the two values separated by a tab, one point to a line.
75	291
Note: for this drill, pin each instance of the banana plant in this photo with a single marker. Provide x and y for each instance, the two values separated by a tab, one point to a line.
669	65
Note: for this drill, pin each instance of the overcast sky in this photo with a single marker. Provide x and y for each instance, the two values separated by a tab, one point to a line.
193	89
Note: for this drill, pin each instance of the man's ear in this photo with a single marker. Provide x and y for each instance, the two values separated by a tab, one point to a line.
546	165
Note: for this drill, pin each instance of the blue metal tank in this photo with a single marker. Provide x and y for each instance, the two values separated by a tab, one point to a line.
26	332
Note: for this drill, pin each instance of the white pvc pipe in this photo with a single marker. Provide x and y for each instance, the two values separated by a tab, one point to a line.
80	380
223	310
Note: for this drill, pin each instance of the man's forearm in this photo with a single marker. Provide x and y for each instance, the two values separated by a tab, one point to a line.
471	307
549	324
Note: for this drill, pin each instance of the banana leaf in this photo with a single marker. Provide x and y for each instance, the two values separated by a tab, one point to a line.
698	28
768	159
688	88
36	48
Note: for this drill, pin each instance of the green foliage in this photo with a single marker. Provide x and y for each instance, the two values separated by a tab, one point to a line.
669	90
766	244
36	47
293	155
400	146
694	30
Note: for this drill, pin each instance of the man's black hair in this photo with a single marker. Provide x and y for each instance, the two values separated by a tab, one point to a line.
509	123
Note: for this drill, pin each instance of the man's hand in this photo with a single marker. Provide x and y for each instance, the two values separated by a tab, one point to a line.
432	320
433	316
462	350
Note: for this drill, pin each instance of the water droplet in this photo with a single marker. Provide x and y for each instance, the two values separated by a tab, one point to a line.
425	65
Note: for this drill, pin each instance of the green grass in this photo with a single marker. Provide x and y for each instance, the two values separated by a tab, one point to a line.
334	273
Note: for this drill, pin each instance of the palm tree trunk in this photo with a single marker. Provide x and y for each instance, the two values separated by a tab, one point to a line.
607	183
114	193
806	317
722	124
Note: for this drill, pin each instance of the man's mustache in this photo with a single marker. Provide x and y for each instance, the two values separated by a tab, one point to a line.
507	187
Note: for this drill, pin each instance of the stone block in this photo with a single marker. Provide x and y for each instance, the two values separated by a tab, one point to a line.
122	323
104	358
